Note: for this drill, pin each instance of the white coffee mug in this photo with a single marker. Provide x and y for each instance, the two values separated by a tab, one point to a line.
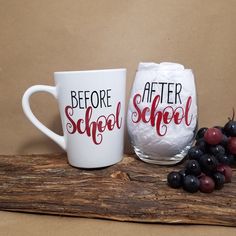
92	107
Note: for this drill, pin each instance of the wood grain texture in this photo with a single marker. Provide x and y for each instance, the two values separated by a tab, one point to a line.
129	191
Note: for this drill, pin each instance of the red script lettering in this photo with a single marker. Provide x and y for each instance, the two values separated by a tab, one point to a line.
93	129
161	118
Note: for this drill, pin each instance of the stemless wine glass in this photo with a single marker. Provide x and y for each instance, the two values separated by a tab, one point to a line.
162	112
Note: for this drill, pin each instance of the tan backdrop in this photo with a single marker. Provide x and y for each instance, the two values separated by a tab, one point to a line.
39	37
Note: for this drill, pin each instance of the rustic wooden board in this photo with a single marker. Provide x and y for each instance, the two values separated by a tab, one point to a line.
129	191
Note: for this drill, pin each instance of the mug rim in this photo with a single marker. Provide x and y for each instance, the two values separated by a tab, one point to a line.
89	71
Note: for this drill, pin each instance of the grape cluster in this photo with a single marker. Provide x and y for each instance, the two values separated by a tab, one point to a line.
209	161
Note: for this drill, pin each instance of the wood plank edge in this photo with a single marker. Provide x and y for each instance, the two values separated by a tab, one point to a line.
185	221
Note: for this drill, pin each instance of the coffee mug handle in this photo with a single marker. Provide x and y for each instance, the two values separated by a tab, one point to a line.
60	140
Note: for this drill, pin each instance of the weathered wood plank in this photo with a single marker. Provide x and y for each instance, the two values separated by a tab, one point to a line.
129	191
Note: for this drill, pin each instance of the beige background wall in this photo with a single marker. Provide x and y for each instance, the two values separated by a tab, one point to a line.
40	37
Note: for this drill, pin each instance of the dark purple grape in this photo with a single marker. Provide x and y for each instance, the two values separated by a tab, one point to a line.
231	159
207	184
232	145
193	167
195	153
226	171
219	179
202	145
217	150
208	163
230	128
225	159
174	179
183	174
191	183
200	133
224	141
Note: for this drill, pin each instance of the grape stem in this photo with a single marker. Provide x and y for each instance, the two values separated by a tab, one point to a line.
232	119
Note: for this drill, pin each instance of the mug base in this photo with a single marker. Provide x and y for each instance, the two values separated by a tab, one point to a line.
93	167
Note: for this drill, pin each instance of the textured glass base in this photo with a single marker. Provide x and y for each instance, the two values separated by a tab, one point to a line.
161	160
